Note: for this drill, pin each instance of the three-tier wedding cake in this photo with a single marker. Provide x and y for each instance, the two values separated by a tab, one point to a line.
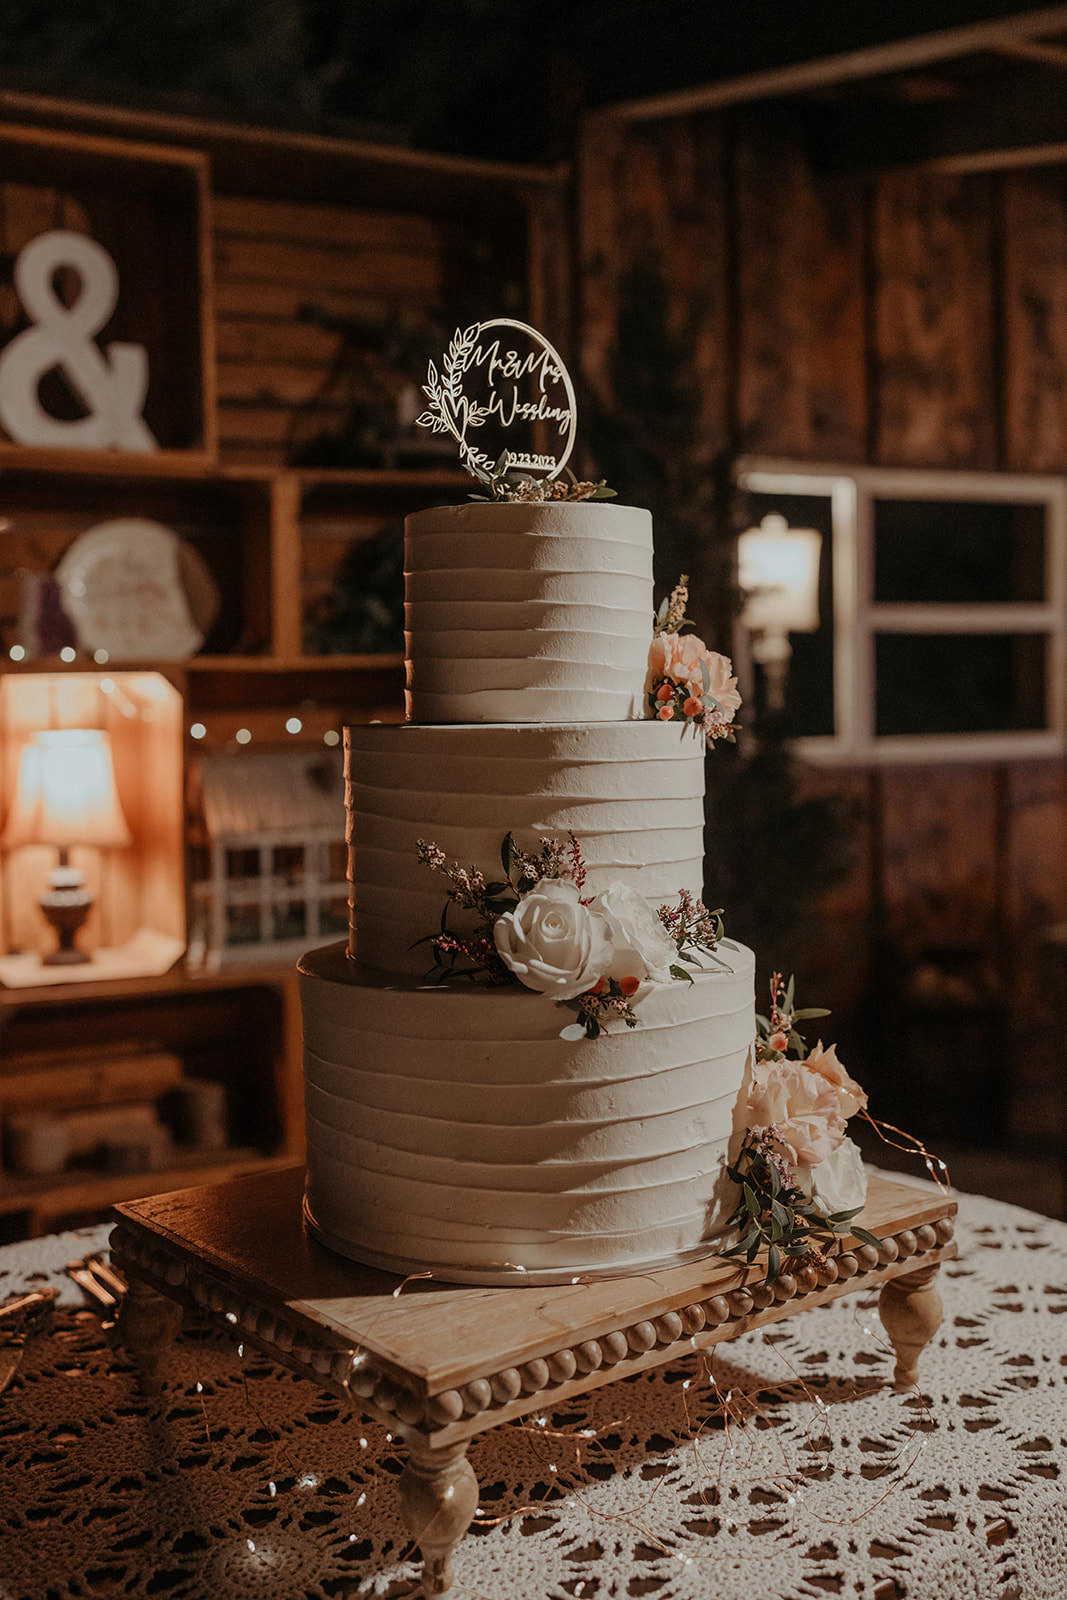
451	1126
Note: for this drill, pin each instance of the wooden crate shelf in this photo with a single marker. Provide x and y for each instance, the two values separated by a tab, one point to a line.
282	221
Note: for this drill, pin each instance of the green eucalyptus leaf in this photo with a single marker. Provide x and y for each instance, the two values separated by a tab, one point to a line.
681	974
866	1238
774	1262
808	1012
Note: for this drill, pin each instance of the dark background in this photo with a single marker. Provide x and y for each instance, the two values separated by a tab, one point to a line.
501	78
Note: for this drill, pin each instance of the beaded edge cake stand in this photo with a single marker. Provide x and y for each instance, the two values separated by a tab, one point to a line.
438	1363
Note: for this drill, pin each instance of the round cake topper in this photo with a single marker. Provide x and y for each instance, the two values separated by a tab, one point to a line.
496	378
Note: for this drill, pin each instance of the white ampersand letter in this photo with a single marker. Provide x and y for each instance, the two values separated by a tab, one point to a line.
112	387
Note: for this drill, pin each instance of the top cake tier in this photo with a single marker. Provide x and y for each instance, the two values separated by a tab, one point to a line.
534	612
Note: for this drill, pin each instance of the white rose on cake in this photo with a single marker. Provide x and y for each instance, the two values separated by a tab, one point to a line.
640	947
838	1183
552	942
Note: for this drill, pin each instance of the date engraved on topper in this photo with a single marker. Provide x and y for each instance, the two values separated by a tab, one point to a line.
499	376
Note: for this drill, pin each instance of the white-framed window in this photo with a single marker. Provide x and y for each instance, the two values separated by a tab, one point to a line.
943	633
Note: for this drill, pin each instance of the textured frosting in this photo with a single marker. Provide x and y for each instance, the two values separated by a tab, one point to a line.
537	612
453	1129
632	792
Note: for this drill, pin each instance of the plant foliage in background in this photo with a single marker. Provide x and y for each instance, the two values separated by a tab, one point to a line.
363	613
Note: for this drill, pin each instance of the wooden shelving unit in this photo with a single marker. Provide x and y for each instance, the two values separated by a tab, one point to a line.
284	219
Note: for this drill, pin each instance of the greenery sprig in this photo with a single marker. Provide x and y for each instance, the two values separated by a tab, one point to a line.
775	1216
474	955
505	482
696	932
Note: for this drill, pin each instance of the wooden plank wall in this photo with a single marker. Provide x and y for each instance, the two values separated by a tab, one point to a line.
273	258
914	319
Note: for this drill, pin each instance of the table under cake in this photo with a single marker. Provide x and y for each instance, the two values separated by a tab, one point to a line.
438	1363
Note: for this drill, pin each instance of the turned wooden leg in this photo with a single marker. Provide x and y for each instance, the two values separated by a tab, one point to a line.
148	1325
438	1499
910	1308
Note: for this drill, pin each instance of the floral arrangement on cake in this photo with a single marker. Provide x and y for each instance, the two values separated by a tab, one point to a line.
536	925
801	1178
687	682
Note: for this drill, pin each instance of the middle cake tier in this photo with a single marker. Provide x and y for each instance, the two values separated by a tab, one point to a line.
631	792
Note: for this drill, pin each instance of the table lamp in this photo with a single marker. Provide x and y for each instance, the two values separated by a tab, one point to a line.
778	572
65	795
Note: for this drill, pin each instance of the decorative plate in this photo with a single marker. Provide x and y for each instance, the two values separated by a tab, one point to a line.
135	589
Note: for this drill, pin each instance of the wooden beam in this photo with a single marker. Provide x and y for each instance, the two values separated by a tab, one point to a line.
1050	55
1008	160
898	55
137	123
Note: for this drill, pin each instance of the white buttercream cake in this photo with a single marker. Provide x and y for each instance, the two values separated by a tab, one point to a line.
451	1128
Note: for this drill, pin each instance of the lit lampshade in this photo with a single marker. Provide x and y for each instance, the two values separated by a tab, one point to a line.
65	792
65	795
778	570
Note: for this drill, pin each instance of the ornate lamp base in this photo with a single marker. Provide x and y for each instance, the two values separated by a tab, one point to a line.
66	904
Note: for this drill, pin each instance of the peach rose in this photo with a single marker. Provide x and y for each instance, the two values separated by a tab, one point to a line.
723	685
677	656
801	1106
824	1063
681	657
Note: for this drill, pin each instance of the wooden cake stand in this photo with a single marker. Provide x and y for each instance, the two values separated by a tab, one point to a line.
439	1363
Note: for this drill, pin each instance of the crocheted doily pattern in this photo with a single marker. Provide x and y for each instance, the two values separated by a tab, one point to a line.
785	1466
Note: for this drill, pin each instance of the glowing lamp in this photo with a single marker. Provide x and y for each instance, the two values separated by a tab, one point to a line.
778	572
65	795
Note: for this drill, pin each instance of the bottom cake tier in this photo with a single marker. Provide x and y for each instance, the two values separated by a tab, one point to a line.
452	1130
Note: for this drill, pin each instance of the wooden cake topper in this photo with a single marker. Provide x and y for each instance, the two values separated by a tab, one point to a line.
496	376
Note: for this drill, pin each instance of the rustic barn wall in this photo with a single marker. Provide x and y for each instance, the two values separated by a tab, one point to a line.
274	260
908	319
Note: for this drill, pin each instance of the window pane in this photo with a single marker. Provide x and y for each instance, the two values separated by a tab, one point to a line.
959	683
958	551
809	706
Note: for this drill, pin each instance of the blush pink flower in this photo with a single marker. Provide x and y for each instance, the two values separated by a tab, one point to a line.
801	1106
824	1063
779	1041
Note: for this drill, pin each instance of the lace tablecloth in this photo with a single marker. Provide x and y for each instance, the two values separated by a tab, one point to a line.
787	1468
